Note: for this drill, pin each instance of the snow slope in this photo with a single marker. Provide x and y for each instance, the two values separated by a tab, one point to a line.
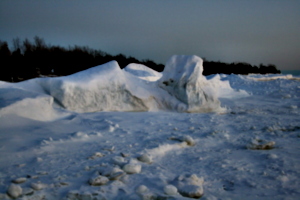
15	99
143	72
251	151
102	88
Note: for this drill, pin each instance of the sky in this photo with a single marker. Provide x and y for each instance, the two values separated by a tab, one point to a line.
256	31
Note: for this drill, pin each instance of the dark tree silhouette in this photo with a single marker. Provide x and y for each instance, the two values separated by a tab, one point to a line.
35	59
6	73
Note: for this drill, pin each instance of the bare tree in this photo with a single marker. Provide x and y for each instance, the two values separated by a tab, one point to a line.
39	43
16	44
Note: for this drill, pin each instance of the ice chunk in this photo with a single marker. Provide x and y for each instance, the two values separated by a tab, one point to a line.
96	155
189	185
146	158
186	138
261	145
132	168
98	180
14	191
112	173
170	190
142	189
118	160
19	180
183	79
38	186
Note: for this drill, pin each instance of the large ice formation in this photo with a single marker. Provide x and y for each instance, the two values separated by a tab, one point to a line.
180	87
102	88
183	79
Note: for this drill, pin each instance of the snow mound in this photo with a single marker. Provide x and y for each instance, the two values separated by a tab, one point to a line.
183	79
108	88
223	88
27	104
143	72
102	88
181	87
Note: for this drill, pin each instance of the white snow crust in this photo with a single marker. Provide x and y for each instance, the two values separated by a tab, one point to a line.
270	77
55	144
223	88
143	72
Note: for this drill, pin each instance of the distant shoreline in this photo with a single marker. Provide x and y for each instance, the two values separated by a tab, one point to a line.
292	72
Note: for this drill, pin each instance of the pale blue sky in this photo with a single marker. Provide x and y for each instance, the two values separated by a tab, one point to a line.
256	31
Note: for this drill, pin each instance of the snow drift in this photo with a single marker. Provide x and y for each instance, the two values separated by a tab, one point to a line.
102	88
180	87
29	104
223	88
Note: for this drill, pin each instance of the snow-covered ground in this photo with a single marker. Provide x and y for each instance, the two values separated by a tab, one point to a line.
65	138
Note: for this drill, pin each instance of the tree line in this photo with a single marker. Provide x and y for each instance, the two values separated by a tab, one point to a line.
211	67
31	59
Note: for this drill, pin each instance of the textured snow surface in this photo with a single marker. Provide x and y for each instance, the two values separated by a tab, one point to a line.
250	151
143	72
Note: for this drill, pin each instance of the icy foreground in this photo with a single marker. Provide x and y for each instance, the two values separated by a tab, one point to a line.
49	150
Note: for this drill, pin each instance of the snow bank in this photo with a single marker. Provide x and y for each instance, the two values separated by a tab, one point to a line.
27	104
102	88
270	77
181	87
143	72
223	88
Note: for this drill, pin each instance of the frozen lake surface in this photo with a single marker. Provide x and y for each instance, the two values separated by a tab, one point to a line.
247	148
